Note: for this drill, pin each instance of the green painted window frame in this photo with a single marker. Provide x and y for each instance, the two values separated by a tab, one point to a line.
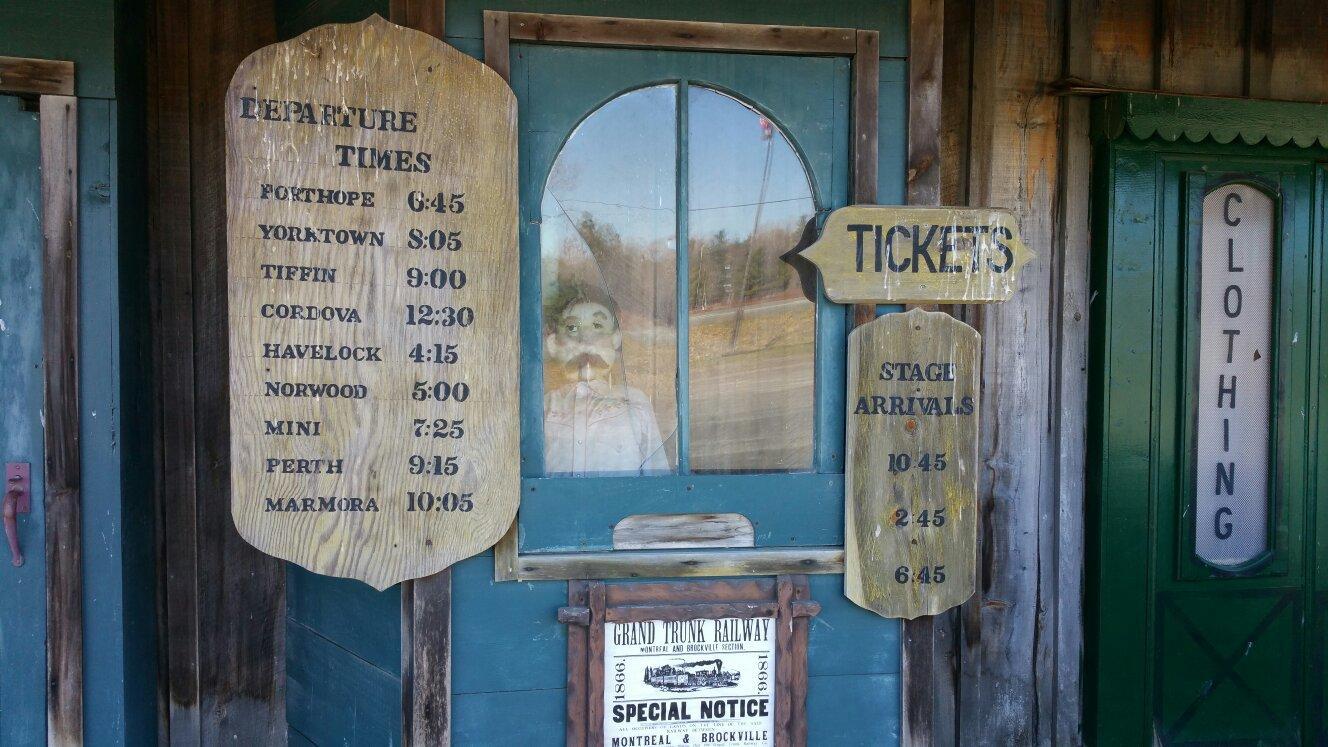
862	47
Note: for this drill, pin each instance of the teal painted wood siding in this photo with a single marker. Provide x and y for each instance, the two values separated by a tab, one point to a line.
104	38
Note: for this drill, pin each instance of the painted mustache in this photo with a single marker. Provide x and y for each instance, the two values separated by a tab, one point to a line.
586	359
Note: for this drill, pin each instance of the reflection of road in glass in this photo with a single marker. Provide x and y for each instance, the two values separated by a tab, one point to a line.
752	402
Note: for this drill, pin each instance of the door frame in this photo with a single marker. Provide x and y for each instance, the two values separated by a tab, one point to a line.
501	28
51	84
1116	690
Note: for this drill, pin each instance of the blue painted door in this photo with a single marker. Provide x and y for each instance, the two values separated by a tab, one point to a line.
23	588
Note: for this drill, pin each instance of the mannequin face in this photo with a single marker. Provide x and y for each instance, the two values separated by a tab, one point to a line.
585	339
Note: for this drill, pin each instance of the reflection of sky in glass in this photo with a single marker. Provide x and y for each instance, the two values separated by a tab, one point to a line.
619	166
727	153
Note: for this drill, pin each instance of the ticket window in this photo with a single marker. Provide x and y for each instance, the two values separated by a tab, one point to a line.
677	358
1205	619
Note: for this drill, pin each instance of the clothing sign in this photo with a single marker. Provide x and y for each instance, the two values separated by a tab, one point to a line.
882	254
1234	397
910	514
371	199
698	681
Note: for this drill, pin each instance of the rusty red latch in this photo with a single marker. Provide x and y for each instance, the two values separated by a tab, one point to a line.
18	500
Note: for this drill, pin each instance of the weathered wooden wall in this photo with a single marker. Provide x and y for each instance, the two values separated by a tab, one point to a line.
220	600
1011	672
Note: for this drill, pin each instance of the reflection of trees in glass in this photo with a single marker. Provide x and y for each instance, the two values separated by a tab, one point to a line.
599	262
725	271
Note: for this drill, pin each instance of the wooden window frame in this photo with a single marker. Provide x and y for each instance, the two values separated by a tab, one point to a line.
51	84
501	28
591	603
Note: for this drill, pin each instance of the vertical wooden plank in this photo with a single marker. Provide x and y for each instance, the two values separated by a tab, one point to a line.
1015	164
407	662
1111	43
426	604
595	659
64	562
1202	48
497	55
784	669
1288	38
578	595
497	43
1117	42
241	592
171	279
798	694
866	96
926	59
423	15
431	667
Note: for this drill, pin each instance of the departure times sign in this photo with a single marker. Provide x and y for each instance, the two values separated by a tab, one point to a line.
371	232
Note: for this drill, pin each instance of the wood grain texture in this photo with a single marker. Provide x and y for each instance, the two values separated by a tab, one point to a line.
430	684
240	643
926	64
865	144
870	254
1287	52
25	76
429	16
678	563
682	531
730	37
922	680
63	476
885	528
169	267
578	639
1202	47
1006	659
375	64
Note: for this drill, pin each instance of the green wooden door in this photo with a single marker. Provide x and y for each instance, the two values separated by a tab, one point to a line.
22	589
1204	597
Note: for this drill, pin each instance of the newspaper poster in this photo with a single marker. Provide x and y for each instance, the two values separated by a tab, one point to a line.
690	682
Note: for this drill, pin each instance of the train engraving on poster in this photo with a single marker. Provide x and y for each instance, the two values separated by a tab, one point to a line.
371	232
883	254
699	681
911	464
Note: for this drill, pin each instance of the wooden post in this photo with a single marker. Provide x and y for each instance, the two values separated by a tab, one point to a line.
426	603
922	639
64	558
221	612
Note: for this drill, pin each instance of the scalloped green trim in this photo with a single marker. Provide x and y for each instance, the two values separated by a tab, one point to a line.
1149	115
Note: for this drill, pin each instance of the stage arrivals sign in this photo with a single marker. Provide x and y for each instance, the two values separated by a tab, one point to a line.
371	232
881	254
696	681
910	513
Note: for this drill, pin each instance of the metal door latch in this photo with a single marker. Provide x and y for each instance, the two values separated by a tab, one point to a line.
18	500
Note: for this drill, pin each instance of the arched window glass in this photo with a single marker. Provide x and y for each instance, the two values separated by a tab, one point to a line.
627	391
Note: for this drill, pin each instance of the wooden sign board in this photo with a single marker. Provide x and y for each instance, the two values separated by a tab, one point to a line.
910	514
691	662
371	232
881	254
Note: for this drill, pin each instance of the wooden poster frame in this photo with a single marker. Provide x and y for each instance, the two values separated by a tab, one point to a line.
501	28
591	603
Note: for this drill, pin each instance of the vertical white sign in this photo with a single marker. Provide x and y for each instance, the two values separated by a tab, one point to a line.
1235	365
690	682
